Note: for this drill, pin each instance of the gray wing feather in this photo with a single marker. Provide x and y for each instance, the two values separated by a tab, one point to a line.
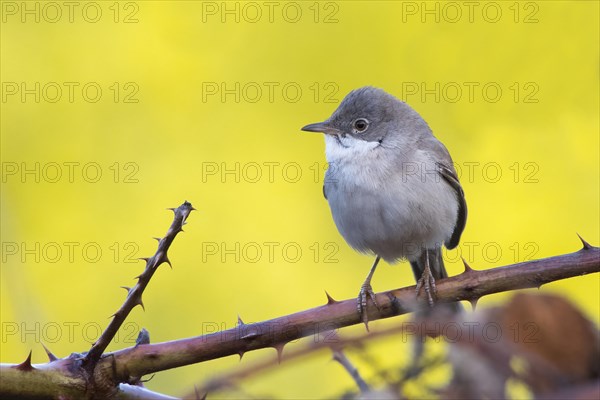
450	177
446	170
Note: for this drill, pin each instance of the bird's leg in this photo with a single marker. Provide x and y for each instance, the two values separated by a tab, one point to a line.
427	280
366	291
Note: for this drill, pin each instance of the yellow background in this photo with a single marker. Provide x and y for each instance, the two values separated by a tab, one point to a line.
176	130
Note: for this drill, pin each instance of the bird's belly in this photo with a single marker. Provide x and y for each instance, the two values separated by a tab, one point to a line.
394	218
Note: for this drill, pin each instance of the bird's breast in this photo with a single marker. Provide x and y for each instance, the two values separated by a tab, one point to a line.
390	210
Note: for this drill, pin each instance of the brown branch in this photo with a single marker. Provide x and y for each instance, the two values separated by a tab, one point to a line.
66	377
329	340
134	294
470	285
76	376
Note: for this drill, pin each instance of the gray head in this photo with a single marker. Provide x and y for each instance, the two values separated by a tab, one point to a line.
370	114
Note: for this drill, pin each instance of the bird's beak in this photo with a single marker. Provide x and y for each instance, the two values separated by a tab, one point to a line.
323	127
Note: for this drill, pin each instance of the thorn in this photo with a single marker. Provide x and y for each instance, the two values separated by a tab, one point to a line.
467	267
473	303
539	286
367	326
144	258
157	239
166	260
141	303
330	300
241	354
586	245
172	209
279	349
51	356
25	365
240	322
126	288
193	209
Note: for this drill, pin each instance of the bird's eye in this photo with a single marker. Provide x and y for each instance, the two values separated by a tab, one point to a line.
361	125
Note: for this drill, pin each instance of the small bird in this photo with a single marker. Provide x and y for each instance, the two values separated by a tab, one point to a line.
391	187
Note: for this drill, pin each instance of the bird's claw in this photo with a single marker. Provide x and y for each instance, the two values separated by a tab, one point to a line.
366	291
427	281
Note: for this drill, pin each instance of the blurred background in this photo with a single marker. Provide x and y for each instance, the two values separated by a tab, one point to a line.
114	111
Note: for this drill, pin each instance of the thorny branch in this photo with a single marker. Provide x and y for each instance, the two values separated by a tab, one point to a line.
470	285
95	374
89	375
134	294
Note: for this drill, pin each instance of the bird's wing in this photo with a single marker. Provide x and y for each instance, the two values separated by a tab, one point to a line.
449	175
446	170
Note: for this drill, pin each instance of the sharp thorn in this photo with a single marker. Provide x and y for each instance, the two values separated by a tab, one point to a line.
157	239
144	258
586	245
51	356
166	260
25	365
240	322
279	349
126	288
330	300
473	303
467	266
172	209
241	354
193	209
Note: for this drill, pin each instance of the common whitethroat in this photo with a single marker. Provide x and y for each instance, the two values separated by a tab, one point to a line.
391	187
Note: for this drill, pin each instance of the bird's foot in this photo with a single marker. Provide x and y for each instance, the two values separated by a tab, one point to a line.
366	291
427	281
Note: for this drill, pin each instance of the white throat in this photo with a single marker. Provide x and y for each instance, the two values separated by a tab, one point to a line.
349	149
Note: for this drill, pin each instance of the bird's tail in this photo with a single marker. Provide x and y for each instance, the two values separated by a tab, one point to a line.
436	265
